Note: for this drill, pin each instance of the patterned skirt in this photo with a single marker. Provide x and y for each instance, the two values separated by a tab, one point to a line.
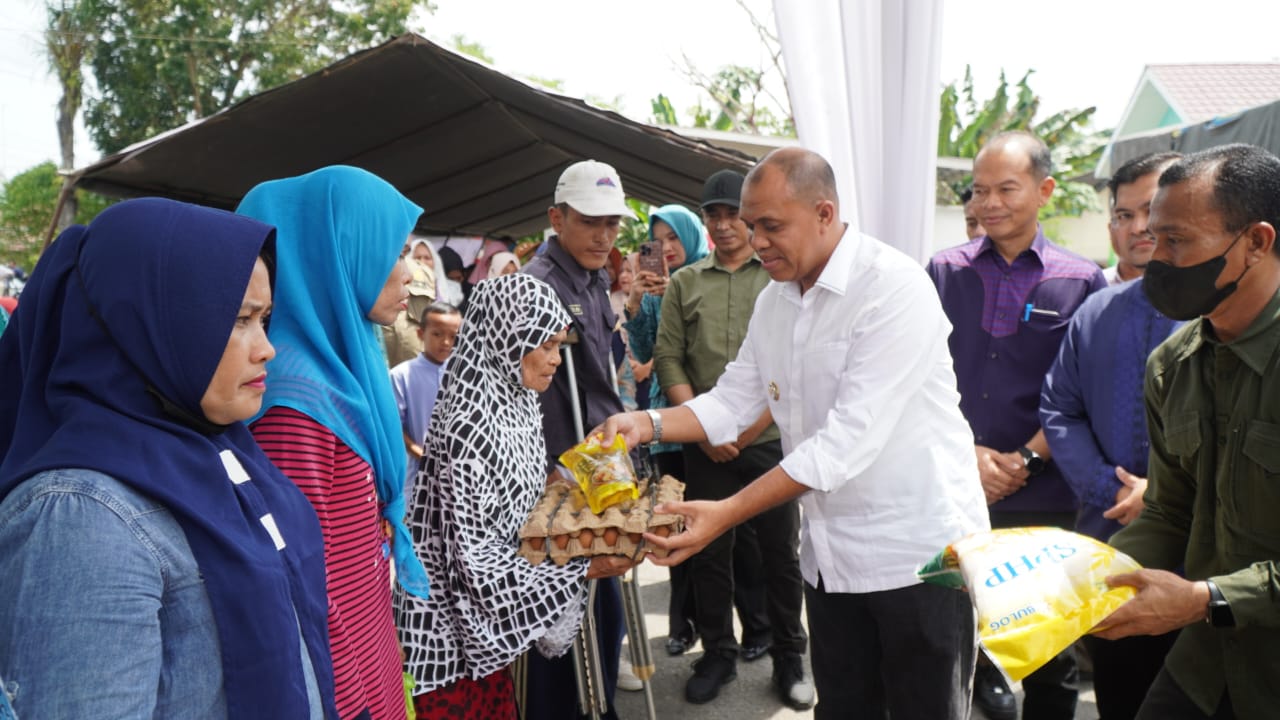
492	697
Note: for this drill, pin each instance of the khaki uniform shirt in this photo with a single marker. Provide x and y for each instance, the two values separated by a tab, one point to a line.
1213	503
705	313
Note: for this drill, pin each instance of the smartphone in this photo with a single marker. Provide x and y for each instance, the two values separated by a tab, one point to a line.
652	259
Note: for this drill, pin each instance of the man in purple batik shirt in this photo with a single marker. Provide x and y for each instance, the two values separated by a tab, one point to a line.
1009	295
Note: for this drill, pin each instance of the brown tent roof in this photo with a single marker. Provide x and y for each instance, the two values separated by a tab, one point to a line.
478	150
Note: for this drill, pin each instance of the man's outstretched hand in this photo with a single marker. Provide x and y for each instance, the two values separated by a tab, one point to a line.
704	521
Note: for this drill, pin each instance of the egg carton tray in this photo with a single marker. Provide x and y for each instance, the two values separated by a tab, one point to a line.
561	525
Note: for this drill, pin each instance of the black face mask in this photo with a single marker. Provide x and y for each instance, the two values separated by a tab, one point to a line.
1186	293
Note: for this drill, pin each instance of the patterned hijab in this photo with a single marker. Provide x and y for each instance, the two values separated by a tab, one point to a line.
118	335
482	475
693	236
339	234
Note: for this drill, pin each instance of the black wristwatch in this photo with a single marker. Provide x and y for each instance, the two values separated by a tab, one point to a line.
1032	460
1219	615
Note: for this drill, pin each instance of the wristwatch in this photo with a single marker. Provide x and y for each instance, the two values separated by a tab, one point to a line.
1032	460
656	418
1219	614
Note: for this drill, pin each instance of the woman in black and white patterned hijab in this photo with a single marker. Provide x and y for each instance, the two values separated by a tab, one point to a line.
482	473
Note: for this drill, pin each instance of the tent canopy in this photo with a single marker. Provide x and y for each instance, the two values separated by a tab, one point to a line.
478	150
1256	126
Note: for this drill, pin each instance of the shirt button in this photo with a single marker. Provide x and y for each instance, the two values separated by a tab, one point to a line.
979	438
985	396
994	356
999	316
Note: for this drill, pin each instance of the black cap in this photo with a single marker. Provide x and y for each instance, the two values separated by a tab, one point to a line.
723	188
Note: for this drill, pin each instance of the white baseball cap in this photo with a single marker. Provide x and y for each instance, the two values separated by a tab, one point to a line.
593	189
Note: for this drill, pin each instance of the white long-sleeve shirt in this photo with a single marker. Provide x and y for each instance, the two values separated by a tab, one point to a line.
859	379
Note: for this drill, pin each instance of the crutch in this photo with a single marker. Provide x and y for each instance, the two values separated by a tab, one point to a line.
587	669
633	611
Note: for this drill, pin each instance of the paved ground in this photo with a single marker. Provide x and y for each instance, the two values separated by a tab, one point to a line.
749	697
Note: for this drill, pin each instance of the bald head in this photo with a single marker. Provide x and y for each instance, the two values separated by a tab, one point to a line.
809	176
1038	159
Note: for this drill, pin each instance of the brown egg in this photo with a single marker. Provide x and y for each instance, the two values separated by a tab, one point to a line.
611	537
634	537
562	541
586	538
536	542
662	531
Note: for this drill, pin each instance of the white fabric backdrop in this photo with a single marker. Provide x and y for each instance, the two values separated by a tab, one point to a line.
863	80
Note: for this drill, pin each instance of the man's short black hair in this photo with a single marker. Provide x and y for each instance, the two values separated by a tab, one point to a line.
1139	167
1245	180
966	195
1037	151
439	307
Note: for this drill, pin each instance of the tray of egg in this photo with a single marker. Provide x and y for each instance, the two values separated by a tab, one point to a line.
562	526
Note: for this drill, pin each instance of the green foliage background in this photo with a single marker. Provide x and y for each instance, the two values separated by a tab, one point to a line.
965	125
27	203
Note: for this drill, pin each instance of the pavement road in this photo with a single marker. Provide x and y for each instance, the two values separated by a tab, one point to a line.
749	697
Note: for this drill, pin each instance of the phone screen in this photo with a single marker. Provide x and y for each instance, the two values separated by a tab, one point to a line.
651	258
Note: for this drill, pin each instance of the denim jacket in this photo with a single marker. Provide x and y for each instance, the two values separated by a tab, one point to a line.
103	611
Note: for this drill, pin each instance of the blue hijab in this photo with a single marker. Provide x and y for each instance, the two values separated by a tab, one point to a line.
693	236
137	307
340	231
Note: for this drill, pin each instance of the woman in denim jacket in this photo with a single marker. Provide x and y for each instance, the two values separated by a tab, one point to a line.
153	563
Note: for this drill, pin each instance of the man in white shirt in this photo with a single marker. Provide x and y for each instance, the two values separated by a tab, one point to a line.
848	348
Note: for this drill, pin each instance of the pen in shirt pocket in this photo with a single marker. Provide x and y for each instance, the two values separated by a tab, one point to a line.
1033	310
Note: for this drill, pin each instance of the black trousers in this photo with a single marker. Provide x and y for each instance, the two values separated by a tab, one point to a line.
1123	671
1052	691
681	606
777	532
906	653
1166	701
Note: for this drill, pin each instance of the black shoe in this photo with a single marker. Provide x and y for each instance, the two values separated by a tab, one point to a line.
992	694
789	681
754	651
677	645
709	674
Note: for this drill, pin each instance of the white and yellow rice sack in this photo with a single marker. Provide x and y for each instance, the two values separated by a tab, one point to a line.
1036	590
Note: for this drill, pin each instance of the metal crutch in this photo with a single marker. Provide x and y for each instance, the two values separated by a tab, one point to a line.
633	614
587	669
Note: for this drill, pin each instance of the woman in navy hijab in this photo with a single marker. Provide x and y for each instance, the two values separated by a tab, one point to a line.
153	562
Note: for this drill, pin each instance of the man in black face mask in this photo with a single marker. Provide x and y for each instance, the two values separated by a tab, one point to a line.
1213	410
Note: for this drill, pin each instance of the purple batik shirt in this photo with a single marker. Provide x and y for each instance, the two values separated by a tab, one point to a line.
1008	321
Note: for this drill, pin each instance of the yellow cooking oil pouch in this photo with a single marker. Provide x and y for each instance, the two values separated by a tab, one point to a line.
604	473
1036	589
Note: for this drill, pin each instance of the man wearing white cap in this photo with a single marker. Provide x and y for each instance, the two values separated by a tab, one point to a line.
586	216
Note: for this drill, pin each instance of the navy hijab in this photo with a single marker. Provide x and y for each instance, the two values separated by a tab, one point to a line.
136	307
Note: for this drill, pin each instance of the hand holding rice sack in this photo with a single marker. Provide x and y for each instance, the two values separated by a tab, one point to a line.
1036	590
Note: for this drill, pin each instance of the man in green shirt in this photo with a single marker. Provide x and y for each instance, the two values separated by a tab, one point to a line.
705	312
1213	410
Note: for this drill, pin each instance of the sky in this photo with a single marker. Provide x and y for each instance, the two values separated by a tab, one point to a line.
1084	52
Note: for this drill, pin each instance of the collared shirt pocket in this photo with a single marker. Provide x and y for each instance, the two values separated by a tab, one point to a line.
1182	438
1255	500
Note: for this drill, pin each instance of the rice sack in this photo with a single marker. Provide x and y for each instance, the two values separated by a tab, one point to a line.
1036	589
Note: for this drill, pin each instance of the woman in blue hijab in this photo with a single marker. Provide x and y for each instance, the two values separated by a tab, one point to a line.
329	417
154	563
684	242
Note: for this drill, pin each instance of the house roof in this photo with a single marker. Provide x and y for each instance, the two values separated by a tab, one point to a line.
478	150
1198	92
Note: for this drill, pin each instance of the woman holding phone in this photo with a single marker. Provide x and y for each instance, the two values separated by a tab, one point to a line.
683	240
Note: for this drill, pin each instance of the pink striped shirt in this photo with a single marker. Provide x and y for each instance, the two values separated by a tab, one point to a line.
340	485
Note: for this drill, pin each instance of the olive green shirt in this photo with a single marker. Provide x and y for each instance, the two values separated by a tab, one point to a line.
705	313
1213	503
